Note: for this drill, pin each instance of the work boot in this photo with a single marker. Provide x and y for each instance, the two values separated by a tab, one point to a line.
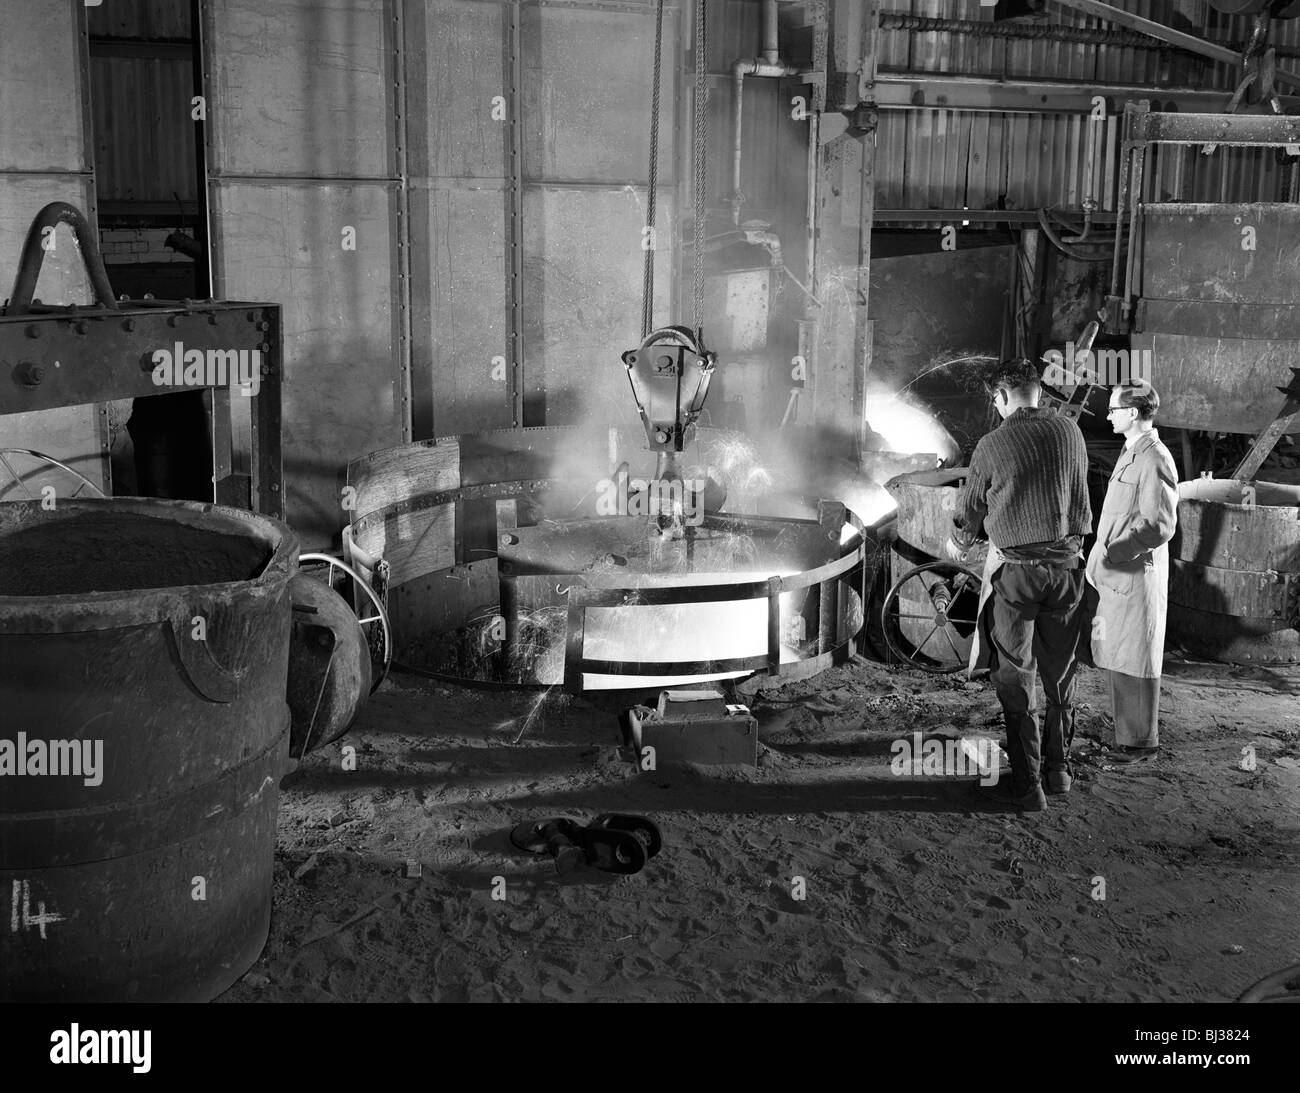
1057	781
1031	800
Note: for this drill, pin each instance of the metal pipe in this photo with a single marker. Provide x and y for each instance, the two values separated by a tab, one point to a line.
771	35
810	206
202	253
768	65
738	73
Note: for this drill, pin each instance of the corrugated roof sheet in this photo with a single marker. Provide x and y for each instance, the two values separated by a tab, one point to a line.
934	158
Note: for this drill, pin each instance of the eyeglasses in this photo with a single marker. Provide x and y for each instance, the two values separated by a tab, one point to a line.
1114	408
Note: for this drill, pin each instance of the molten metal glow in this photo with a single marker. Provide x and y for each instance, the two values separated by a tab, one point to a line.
870	500
907	428
687	632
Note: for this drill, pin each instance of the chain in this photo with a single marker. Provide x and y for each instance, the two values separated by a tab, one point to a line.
699	136
648	243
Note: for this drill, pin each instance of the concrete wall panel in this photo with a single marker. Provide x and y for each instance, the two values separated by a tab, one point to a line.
40	63
457	64
302	88
460	308
587	77
582	299
282	243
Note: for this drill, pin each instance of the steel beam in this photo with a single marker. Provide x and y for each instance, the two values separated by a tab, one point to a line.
908	91
1239	129
70	356
845	34
974	216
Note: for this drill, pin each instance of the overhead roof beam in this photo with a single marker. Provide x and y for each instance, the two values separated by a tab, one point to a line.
934	91
1189	42
1178	38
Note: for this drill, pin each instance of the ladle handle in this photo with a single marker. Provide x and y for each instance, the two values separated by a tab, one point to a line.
205	673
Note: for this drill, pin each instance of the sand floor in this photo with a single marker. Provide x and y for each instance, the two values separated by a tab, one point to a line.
915	889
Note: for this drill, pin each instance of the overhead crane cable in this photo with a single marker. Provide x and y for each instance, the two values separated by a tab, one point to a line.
698	139
699	135
648	241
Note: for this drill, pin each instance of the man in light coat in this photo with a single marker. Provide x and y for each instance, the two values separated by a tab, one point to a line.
1129	567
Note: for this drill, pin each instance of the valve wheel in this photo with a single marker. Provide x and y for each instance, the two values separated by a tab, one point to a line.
929	616
383	658
41	457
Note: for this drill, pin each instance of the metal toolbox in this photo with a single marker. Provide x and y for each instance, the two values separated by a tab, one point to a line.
693	727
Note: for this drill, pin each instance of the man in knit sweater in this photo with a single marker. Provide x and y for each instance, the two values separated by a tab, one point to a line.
1027	493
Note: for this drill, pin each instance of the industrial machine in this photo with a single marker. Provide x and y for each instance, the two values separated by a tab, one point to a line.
505	566
55	356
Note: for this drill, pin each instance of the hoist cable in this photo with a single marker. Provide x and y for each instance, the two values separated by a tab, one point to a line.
648	237
699	136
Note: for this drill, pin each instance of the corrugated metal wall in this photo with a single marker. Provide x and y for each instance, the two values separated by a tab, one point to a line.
141	82
152	19
144	138
962	159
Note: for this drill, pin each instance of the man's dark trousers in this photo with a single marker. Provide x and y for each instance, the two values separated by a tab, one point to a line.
1035	615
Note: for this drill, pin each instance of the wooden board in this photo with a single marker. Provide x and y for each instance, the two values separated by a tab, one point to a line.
392	475
415	543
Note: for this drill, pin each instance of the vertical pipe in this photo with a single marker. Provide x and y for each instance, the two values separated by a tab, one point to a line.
771	41
403	263
516	219
203	264
810	208
738	72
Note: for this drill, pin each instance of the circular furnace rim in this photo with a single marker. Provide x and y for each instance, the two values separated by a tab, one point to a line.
803	668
